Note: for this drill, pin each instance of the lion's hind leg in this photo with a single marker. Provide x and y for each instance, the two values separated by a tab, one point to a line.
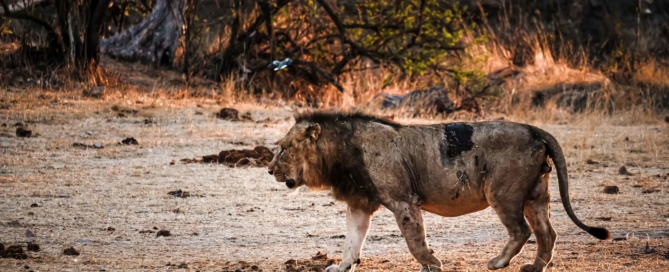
537	211
510	212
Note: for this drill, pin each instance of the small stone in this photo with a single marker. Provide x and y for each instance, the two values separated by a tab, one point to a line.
23	133
623	171
29	234
95	92
130	141
164	233
70	251
34	205
612	190
33	247
179	193
228	114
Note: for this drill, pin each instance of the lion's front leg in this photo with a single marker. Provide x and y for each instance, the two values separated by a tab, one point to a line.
357	224
410	221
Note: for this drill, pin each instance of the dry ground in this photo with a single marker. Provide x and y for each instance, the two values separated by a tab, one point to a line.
102	201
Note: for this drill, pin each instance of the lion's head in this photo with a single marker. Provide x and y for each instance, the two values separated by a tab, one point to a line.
297	156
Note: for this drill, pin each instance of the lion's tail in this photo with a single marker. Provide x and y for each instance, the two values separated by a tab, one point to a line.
555	153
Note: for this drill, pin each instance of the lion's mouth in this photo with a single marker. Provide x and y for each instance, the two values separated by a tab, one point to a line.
290	182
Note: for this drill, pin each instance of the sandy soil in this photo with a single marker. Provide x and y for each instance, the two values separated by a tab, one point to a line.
109	203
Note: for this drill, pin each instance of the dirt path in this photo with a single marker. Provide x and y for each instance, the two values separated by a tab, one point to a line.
109	203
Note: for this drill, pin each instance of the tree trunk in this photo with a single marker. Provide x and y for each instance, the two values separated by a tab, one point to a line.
153	41
92	40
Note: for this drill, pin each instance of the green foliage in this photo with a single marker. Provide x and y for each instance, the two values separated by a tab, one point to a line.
416	35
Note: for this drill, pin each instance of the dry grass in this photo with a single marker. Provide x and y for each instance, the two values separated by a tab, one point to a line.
243	215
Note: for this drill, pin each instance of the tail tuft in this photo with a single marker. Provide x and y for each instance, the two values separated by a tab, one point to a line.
599	233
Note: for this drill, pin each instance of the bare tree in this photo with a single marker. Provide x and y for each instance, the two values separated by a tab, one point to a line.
155	40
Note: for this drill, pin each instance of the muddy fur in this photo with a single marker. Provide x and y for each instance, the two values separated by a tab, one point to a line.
447	169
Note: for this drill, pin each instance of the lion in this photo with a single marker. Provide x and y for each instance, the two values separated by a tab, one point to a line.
448	169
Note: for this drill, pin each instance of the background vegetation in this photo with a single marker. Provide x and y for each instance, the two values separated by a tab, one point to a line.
491	54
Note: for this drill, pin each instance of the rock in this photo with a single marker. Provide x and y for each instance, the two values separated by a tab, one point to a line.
164	233
70	251
95	92
13	251
179	193
434	100
228	114
130	141
23	133
261	155
123	110
34	205
33	247
589	161
650	191
623	171
29	234
210	158
97	145
612	190
575	97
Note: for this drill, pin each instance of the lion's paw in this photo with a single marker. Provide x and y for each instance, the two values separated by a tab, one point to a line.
497	263
335	268
430	269
531	268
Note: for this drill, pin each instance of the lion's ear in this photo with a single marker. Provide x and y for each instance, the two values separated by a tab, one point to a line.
314	131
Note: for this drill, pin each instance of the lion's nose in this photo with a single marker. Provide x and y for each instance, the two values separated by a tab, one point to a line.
270	172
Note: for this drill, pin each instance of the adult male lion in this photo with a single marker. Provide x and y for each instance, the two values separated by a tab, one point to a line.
447	169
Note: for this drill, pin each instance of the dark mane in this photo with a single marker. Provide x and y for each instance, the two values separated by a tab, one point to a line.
334	116
341	166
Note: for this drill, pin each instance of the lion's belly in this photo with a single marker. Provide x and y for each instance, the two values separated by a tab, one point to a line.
452	210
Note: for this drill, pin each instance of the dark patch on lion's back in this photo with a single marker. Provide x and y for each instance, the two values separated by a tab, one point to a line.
334	116
457	139
535	133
